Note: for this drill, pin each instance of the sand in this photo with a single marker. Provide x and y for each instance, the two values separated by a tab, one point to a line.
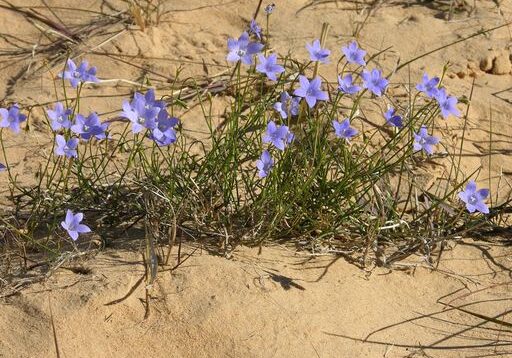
215	307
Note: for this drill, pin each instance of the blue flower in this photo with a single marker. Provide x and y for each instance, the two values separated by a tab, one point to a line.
11	118
317	53
89	127
354	54
447	104
164	133
474	199
424	141
2	167
269	66
393	119
264	164
75	74
142	111
344	130
66	148
72	224
278	135
59	117
288	105
242	49
374	81
255	29
428	86
346	85
311	91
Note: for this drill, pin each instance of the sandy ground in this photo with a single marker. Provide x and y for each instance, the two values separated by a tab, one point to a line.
214	307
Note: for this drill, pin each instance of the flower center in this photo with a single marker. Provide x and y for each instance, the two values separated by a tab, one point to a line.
76	74
422	141
60	119
86	128
141	120
473	199
241	52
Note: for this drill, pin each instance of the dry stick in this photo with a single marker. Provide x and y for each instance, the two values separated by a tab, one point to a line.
257	10
53	328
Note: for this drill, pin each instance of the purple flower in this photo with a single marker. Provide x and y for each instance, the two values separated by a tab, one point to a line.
346	85
354	54
317	53
374	81
89	127
311	91
474	199
142	111
255	29
392	118
278	135
288	105
242	49
264	164
447	104
66	148
2	167
424	141
11	118
428	86
344	130
164	133
72	224
269	66
59	117
75	74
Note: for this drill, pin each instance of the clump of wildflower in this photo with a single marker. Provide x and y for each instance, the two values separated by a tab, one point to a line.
79	74
72	224
59	117
269	66
278	135
264	164
317	53
343	129
66	148
311	91
287	105
424	141
346	85
428	85
393	119
354	54
243	50
12	118
374	81
89	127
447	104
255	29
474	199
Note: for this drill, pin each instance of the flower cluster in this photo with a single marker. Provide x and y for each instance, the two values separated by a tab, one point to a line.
78	74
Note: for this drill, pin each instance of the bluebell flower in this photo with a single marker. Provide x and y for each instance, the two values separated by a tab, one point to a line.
347	86
474	199
317	53
11	118
374	81
66	148
447	104
142	111
255	29
264	164
424	141
278	135
89	127
287	105
164	133
72	224
59	117
242	49
311	91
393	119
269	66
343	129
428	86
354	54
79	74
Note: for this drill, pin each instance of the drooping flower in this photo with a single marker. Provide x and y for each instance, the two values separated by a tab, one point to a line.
447	104
278	135
374	81
66	148
264	164
393	119
354	54
288	105
343	129
269	66
347	86
75	74
89	127
424	141
317	53
242	49
255	29
164	133
311	91
269	9
142	111
59	117
474	199
428	86
11	118
72	224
